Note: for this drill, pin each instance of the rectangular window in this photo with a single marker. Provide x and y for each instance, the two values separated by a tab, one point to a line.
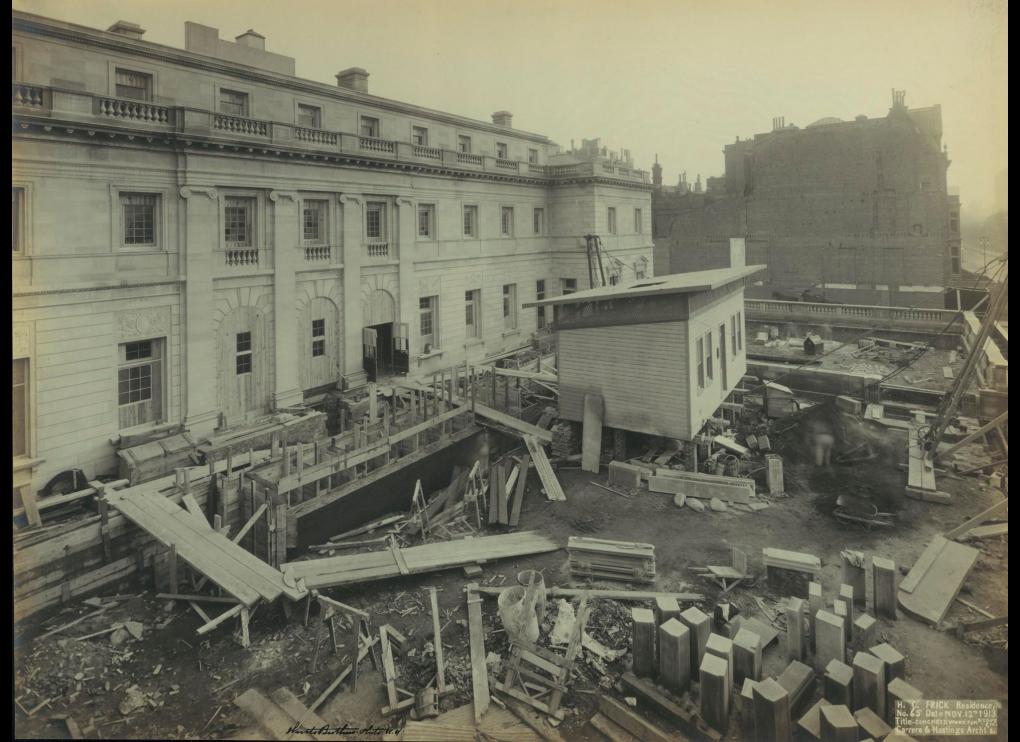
139	218
506	221
539	219
427	307
638	222
539	295
19	411
568	286
140	383
701	363
318	338
420	136
310	117
369	127
242	362
133	85
233	102
375	221
464	144
427	221
611	220
708	355
470	221
17	219
740	332
238	221
533	156
472	320
313	222
501	150
510	306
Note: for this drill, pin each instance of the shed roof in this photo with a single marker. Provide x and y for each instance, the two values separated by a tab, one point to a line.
676	283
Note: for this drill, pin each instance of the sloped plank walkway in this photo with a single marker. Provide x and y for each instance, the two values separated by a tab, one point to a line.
227	564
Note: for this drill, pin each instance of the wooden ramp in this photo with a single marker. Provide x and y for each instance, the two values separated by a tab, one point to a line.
920	469
550	483
509	421
227	564
394	562
931	586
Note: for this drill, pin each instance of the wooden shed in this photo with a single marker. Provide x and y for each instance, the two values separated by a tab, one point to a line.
662	352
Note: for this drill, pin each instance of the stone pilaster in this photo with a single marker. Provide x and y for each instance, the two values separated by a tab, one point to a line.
200	250
286	256
353	250
408	295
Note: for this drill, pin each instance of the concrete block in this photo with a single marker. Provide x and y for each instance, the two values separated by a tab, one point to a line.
795	629
746	700
885	587
772	712
774	473
871	725
815	604
895	663
842	611
643	647
846	594
899	691
869	683
674	655
722	648
700	626
715	692
665	609
624	475
810	724
799	681
839	683
747	656
838	724
853	568
829	639
865	632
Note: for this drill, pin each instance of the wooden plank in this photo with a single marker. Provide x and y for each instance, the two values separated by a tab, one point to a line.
988	623
268	715
226	615
591	434
291	704
923	564
437	643
628	720
996	529
987	514
701	490
518	426
479	669
515	511
687	717
195	509
553	490
502	493
251	522
611	730
940	582
920	468
624	595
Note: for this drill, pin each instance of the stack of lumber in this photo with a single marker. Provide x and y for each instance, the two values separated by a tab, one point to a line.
564	440
611	560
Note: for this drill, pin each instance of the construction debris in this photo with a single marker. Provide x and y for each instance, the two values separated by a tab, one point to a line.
613	560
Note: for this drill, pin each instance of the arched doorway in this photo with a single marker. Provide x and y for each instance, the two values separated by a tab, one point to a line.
320	347
384	340
244	388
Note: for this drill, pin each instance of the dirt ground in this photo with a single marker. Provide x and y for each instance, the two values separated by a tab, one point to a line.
187	683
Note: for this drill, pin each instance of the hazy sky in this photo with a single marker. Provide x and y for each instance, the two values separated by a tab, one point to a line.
679	78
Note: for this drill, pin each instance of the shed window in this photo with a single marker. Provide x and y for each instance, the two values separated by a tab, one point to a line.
140	382
472	302
701	363
708	354
19	417
134	85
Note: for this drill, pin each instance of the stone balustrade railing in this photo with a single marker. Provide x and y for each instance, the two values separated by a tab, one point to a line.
193	121
241	125
134	110
858	314
378	250
27	96
318	253
235	257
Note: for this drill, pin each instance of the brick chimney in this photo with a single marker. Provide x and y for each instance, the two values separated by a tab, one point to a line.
126	28
353	78
252	40
503	118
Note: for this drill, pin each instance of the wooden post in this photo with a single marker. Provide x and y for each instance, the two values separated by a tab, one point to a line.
244	628
172	568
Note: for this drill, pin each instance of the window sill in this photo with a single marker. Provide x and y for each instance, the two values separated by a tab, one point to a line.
473	342
431	354
142	428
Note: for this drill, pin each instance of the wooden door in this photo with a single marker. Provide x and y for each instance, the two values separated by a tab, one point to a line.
320	344
369	352
244	390
401	355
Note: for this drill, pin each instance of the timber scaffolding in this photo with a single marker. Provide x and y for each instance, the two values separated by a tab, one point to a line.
255	499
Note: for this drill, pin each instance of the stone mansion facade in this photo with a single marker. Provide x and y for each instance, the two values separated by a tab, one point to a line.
200	237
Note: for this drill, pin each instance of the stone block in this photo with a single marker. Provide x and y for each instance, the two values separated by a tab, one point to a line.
643	646
674	655
715	692
846	594
899	691
865	632
746	700
842	611
853	567
810	724
871	724
799	681
895	663
885	587
700	626
722	648
624	475
795	629
747	656
839	683
665	609
829	639
869	683
838	724
772	712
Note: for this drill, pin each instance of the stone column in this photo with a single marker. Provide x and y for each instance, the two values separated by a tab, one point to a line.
643	646
885	587
795	629
772	712
837	724
353	250
286	325
869	683
838	683
700	626
674	655
715	692
829	642
201	243
865	631
407	233
747	655
665	609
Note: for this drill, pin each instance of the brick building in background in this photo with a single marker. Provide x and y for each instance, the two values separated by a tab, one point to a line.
201	237
845	211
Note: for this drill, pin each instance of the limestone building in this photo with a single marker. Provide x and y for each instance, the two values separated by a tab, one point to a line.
201	237
846	211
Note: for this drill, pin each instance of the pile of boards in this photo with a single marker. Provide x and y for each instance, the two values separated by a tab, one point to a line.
611	560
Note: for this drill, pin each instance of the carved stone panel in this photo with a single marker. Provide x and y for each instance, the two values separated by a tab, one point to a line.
136	324
22	340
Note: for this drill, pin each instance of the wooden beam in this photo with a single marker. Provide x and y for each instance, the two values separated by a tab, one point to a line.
994	510
986	428
437	642
226	615
479	669
251	522
635	595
